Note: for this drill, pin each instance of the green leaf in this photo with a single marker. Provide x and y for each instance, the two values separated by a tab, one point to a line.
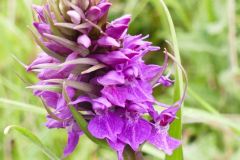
182	15
129	153
11	104
176	126
34	139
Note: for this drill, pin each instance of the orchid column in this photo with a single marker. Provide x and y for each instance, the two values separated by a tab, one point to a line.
94	69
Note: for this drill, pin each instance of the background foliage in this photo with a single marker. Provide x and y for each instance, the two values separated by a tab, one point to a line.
211	116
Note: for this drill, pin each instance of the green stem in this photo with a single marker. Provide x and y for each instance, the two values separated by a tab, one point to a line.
176	127
139	156
130	154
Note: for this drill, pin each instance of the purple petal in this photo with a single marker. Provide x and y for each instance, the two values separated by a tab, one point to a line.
42	58
122	20
118	28
136	92
138	44
112	58
81	99
93	13
135	133
62	104
165	81
57	48
50	98
139	92
101	103
111	78
129	52
59	74
129	41
52	123
131	72
160	139
42	27
119	147
64	114
50	74
66	70
138	107
116	31
73	138
84	40
167	116
104	7
108	126
108	41
75	16
39	10
149	71
116	95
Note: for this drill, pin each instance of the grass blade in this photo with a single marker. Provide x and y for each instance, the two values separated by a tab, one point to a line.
34	139
176	127
11	104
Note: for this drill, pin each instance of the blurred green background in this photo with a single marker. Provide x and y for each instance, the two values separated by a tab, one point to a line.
207	34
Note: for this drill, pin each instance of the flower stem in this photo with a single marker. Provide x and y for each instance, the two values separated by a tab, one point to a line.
130	154
139	156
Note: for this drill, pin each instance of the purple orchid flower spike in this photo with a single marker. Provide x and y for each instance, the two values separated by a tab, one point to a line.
94	67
